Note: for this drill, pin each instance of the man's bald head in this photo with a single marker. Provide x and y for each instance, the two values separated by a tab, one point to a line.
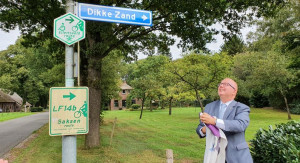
227	90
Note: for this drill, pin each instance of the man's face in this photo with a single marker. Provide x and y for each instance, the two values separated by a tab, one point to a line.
227	88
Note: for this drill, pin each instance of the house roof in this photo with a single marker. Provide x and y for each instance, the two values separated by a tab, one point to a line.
5	98
125	86
28	104
17	98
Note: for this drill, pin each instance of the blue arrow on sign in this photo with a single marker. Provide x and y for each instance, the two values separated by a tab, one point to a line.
114	14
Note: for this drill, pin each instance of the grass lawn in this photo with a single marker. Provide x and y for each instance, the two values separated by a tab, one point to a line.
142	140
13	115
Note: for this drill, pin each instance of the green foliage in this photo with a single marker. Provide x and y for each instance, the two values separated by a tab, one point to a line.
233	45
135	106
275	50
277	145
201	73
144	76
295	107
36	109
110	81
258	100
31	71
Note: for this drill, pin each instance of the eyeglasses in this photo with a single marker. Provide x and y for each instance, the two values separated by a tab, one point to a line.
226	84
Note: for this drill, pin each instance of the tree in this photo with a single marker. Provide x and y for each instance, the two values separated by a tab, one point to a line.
189	20
233	45
278	35
27	71
201	73
144	78
272	75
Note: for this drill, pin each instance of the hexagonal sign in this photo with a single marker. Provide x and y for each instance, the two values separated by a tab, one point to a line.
69	28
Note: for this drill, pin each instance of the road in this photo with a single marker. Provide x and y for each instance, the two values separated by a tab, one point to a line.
14	131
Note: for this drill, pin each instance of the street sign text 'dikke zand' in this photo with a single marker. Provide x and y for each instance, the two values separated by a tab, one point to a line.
114	14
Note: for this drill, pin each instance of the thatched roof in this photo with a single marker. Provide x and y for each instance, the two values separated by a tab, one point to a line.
17	98
5	98
28	104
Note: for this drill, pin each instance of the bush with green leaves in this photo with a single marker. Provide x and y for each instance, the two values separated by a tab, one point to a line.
277	145
295	107
135	106
36	109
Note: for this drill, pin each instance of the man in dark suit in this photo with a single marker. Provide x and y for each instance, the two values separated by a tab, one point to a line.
230	116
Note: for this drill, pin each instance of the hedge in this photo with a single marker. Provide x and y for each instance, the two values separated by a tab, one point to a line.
277	145
36	109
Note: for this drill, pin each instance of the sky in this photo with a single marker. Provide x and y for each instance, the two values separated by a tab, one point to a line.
9	38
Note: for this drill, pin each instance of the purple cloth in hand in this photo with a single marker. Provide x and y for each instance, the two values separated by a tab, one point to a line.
214	129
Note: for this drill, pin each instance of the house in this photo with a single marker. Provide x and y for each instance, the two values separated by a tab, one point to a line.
18	100
8	104
120	103
27	106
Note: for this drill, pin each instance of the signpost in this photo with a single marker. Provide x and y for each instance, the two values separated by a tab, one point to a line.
68	105
69	28
114	14
69	110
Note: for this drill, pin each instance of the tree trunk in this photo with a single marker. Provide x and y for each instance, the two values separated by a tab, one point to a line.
287	107
199	100
92	139
170	106
286	103
151	105
142	108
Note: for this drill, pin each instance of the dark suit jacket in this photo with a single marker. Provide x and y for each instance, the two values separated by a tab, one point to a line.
236	120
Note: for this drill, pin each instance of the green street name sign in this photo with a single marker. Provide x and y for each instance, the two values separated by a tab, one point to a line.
69	28
69	111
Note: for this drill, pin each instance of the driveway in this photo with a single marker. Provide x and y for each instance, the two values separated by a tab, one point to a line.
14	131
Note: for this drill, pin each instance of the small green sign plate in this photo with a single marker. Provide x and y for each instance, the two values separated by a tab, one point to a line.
69	111
69	28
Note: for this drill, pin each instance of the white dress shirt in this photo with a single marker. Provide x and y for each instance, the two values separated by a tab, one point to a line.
219	123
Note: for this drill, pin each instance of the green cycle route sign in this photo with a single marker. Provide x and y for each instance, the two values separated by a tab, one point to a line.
69	111
69	28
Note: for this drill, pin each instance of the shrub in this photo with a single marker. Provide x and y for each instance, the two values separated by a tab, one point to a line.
295	107
135	106
258	100
277	145
36	109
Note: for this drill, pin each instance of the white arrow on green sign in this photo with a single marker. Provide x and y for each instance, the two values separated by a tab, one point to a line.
69	28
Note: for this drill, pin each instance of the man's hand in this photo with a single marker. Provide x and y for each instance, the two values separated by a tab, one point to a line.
203	130
208	119
3	161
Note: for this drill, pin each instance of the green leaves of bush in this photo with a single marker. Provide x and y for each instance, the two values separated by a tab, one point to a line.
135	106
277	145
36	109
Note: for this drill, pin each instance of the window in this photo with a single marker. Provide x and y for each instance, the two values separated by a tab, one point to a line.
123	103
123	91
133	101
116	103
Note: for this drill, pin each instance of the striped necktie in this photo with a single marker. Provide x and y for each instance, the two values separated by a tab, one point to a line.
222	110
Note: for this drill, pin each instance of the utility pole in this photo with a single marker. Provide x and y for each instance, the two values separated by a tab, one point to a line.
69	147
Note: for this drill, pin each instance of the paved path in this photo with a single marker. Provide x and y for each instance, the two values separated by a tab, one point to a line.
14	131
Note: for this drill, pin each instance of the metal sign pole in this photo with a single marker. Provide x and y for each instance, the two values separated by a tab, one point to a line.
69	148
